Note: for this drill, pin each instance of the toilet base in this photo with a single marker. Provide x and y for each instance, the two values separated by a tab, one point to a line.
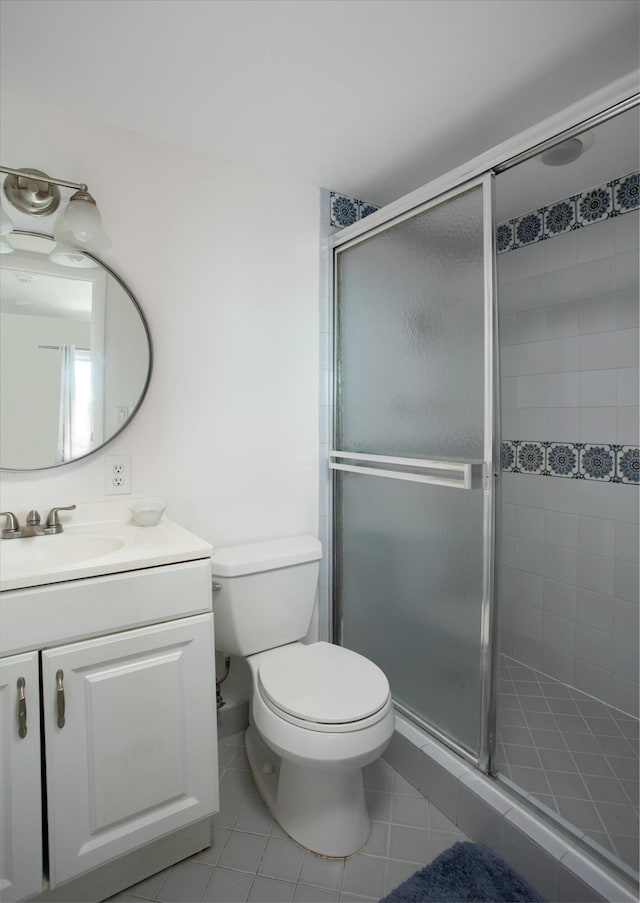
324	810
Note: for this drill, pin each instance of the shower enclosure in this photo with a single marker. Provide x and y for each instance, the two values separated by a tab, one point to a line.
485	472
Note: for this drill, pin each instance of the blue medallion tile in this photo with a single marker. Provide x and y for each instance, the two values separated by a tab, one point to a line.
608	463
528	229
344	210
597	462
626	193
628	464
595	205
366	209
507	456
592	206
505	237
560	217
530	457
562	459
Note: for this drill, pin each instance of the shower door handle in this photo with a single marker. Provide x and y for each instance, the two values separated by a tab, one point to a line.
453	474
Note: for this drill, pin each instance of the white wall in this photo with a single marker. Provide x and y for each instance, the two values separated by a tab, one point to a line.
224	263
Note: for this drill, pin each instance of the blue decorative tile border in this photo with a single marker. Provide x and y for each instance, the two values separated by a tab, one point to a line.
575	460
592	206
345	210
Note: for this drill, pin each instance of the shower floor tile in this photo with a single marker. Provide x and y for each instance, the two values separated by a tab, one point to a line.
252	859
572	753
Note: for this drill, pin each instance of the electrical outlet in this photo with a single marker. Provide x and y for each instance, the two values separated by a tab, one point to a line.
117	474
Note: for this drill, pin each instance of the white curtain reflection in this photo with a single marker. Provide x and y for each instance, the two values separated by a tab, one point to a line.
74	422
82	411
67	403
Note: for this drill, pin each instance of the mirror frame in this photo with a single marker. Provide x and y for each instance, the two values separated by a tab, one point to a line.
143	393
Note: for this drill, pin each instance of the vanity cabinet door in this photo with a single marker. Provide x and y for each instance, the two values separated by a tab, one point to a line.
20	784
131	741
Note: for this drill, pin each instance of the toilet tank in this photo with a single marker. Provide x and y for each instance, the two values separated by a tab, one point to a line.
267	593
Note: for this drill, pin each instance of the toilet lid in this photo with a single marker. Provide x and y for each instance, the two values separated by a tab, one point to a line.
323	683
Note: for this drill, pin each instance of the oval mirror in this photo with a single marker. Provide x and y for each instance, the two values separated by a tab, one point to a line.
75	354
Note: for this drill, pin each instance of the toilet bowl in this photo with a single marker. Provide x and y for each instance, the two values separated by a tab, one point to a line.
318	713
308	768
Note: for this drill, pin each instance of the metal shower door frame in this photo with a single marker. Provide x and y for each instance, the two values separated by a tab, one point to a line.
461	476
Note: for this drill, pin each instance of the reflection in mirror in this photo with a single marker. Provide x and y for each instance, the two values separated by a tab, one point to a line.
75	355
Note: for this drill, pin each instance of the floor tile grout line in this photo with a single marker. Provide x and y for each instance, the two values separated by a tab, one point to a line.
584	783
568	748
239	800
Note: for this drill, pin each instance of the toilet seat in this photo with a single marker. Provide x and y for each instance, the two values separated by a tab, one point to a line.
323	687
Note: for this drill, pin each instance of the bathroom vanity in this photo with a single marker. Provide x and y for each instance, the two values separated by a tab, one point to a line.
107	708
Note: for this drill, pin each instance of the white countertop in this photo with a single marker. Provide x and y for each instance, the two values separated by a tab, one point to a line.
41	560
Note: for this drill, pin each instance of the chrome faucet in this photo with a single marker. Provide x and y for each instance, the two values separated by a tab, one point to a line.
12	530
52	525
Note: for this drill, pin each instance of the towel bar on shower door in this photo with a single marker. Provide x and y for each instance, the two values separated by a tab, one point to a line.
454	474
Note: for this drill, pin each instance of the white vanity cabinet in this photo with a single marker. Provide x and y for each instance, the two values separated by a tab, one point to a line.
129	747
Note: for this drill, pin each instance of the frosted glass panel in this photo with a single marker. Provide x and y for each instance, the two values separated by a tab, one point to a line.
409	556
410	584
410	336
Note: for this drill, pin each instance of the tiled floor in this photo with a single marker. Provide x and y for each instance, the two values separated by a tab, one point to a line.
576	755
252	859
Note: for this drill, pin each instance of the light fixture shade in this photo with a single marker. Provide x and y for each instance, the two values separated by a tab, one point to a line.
6	225
81	225
5	246
67	256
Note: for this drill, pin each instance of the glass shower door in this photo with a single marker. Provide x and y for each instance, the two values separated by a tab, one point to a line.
413	496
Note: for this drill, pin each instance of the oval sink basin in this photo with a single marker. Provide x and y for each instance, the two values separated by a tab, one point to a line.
49	553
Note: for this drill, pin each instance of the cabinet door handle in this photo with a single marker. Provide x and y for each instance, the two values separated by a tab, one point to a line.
60	697
22	709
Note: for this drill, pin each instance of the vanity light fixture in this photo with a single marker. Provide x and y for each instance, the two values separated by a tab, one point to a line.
34	192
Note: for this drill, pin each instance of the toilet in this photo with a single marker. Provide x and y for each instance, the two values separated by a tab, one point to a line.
318	713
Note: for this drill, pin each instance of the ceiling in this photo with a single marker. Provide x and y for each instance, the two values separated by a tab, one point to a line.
43	294
368	97
32	285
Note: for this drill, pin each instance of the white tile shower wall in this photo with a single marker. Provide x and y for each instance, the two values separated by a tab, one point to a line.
569	361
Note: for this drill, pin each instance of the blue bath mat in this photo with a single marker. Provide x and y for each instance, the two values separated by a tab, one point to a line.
465	873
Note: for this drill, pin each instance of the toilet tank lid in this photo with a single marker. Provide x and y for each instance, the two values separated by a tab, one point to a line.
255	557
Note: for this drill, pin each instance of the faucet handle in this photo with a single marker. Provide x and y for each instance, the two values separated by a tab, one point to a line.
12	531
52	523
